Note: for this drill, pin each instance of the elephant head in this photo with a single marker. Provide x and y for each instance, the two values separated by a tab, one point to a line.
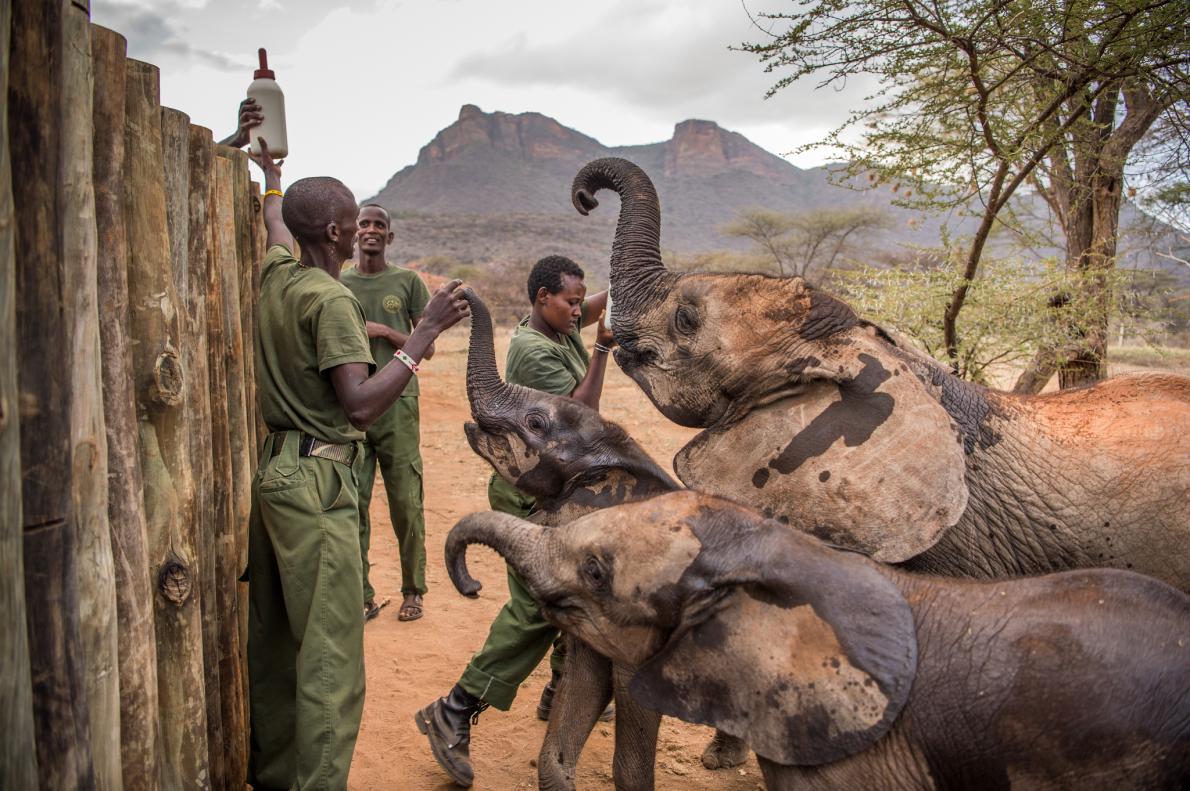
552	447
732	620
827	423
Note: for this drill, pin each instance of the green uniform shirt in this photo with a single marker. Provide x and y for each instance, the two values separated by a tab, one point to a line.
308	323
543	364
394	298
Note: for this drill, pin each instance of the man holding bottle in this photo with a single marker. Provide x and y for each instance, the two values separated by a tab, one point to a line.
317	396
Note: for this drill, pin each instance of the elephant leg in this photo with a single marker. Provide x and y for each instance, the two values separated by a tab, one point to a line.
724	751
580	698
636	737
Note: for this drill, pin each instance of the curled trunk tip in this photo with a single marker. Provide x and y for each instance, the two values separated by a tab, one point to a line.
515	539
456	563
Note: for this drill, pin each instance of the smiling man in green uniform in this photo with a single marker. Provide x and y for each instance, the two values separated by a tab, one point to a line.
547	354
393	299
317	397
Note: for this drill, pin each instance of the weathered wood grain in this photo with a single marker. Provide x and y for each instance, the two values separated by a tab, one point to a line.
60	711
159	379
18	761
139	729
88	441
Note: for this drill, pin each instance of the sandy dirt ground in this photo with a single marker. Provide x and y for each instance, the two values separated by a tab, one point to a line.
409	664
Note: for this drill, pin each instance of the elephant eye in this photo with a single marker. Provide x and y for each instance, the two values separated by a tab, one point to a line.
594	572
537	422
686	320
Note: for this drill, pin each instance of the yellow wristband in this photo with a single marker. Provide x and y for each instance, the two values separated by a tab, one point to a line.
278	193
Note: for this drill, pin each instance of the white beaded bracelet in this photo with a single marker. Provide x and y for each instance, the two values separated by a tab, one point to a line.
405	358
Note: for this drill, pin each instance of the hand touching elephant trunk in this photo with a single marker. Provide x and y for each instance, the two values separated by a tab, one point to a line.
842	673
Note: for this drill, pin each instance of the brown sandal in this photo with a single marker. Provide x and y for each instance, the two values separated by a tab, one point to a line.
411	608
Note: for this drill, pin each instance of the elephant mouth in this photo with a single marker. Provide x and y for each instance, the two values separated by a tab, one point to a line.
474	435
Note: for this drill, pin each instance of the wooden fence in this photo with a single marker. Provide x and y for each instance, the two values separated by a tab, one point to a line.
130	247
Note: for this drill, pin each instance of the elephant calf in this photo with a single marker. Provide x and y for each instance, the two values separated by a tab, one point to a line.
843	673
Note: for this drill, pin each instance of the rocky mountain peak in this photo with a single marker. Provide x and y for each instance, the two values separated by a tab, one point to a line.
529	136
702	147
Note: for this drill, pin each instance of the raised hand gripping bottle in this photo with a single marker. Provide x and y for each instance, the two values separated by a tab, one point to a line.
267	93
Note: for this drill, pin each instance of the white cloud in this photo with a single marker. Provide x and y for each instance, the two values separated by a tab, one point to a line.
368	82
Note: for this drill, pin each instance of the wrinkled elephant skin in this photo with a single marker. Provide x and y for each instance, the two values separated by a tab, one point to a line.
815	416
841	672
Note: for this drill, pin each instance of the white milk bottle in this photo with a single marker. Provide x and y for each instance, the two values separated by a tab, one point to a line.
267	93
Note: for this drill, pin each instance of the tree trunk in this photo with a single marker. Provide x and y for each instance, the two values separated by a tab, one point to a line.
165	455
1089	364
18	757
77	229
229	430
60	712
139	733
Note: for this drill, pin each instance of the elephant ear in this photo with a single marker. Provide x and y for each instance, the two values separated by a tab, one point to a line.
809	670
873	464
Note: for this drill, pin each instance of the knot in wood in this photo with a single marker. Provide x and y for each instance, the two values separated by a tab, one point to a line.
173	581
168	378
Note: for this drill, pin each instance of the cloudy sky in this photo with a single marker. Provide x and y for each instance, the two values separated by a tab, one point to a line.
369	82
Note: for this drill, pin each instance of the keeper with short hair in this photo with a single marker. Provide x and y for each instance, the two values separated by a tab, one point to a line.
317	397
393	299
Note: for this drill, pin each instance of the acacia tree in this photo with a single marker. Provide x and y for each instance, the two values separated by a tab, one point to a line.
799	242
979	98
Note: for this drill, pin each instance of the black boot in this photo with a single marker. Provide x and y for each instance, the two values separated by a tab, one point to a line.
547	700
447	722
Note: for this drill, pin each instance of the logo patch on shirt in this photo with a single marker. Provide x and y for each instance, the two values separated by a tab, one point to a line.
392	303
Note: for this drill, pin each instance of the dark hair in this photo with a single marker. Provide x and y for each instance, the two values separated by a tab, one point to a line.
547	273
388	219
313	203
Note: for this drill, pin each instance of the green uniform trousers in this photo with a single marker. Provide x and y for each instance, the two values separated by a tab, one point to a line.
305	619
394	440
520	636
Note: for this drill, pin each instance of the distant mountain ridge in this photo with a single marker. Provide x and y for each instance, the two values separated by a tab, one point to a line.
495	187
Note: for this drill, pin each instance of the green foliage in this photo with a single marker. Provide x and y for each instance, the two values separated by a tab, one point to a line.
802	243
967	86
977	98
1011	311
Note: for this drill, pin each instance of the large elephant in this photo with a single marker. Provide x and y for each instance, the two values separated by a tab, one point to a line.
822	419
845	673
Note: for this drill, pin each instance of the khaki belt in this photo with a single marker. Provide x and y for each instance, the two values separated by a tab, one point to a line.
312	446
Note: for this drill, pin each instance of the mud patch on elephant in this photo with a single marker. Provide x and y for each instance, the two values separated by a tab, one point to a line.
854	418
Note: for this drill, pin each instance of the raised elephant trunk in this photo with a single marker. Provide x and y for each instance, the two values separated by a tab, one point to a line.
485	390
521	543
636	268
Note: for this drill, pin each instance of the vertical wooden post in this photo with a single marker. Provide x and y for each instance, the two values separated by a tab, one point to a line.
235	359
159	380
245	251
228	421
97	577
139	734
61	720
189	246
18	759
